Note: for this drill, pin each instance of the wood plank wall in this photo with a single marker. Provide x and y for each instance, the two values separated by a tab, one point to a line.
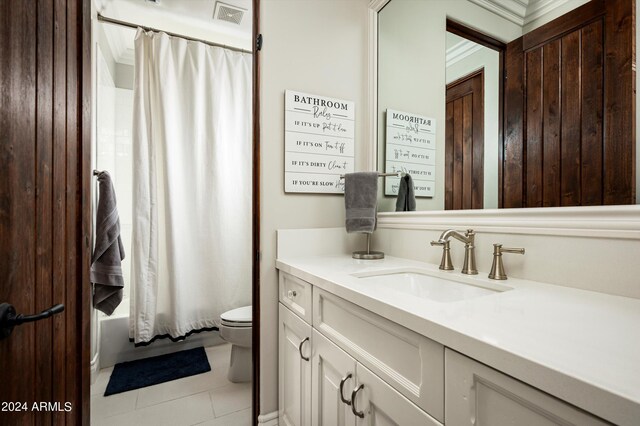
570	110
464	147
44	205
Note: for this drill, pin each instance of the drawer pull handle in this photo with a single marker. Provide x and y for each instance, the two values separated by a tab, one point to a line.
354	394
346	401
291	294
306	339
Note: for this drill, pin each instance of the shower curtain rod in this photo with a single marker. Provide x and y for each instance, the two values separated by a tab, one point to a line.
108	20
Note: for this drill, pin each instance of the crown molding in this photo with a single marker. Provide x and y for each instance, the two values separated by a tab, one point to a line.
461	50
512	10
537	9
520	12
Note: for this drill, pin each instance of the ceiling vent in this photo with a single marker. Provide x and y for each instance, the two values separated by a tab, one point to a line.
229	13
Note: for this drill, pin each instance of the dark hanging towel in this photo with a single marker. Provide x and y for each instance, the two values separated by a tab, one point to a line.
106	267
406	201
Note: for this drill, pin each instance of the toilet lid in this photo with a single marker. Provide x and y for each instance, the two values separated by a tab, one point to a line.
237	315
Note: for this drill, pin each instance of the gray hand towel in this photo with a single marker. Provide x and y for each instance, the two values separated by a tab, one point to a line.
360	201
406	201
106	269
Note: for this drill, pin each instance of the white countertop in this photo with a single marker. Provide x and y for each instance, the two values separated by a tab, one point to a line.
580	346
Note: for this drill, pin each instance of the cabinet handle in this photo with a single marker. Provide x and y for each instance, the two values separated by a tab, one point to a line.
354	394
291	294
300	349
346	401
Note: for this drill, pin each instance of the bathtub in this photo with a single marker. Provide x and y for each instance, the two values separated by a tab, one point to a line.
114	345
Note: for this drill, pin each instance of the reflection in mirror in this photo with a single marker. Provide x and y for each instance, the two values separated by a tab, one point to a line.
546	120
471	126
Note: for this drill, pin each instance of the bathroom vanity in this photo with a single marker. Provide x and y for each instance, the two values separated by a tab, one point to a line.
400	342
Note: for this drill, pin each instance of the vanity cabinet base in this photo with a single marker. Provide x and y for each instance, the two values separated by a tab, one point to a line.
479	395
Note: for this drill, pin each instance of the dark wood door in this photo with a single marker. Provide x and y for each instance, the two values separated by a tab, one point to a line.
464	147
570	110
44	208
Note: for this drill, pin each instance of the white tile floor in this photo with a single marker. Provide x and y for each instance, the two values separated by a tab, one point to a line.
207	399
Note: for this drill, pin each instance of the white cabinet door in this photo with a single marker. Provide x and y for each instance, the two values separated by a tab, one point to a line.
382	405
294	362
333	375
479	395
412	364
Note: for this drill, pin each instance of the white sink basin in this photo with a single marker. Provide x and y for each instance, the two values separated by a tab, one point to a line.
418	283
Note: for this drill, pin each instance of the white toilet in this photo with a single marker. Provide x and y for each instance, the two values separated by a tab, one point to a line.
235	328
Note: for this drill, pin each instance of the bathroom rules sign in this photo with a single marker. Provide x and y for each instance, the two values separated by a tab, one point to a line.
410	148
319	143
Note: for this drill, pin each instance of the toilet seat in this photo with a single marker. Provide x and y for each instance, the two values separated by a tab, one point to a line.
240	317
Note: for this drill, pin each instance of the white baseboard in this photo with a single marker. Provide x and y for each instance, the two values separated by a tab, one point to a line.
269	419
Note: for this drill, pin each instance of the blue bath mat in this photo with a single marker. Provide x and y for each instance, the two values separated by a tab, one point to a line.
141	373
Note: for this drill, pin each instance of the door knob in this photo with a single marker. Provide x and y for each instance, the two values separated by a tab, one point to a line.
9	319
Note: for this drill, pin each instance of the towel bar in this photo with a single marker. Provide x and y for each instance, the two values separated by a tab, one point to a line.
382	174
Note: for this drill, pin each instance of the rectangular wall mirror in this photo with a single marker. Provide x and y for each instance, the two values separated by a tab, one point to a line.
527	105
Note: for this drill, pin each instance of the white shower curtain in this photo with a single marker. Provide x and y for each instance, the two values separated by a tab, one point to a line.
191	251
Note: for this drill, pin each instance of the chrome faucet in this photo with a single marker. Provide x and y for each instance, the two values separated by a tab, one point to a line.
468	239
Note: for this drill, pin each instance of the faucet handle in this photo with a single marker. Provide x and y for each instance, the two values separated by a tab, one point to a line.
445	262
497	267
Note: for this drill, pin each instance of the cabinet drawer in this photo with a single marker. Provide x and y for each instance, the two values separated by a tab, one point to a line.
477	394
295	294
408	361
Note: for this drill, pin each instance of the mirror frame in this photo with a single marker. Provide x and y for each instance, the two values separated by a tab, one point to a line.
621	221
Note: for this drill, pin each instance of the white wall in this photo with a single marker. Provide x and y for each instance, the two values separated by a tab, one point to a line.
605	265
317	47
114	114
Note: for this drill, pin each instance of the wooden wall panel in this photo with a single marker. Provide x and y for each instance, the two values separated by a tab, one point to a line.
620	106
458	157
448	159
551	125
477	183
573	143
17	198
592	114
59	283
513	142
467	151
44	224
534	142
571	115
464	149
44	242
72	341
